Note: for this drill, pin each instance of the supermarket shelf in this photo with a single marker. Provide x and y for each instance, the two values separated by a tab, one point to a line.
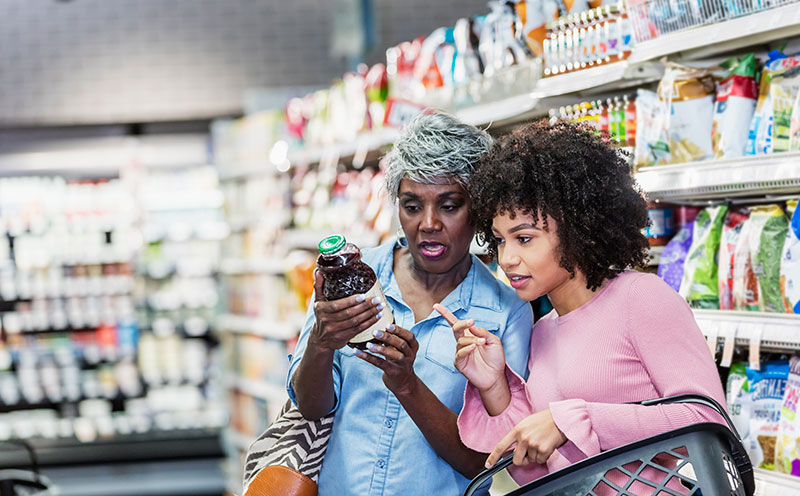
753	175
776	330
705	41
237	266
775	484
655	255
605	77
361	145
267	328
237	439
258	389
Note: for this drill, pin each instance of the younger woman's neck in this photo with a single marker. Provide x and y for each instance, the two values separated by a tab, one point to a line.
571	295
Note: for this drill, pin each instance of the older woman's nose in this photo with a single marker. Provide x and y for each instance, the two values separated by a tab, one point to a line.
431	221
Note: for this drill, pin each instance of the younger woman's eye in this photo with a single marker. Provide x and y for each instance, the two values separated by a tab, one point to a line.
499	241
523	239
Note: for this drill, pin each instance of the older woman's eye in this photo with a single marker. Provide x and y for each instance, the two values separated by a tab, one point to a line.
450	207
411	207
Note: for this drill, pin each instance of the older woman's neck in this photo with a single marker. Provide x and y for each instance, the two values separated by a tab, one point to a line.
436	282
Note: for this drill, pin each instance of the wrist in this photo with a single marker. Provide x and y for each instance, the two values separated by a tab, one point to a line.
408	389
496	397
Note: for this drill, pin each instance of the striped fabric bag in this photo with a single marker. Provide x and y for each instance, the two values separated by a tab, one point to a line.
286	459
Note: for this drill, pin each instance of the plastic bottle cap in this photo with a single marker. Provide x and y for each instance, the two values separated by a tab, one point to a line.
332	244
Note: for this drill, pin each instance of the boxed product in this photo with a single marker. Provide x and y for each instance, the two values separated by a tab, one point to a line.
731	231
735	105
689	94
790	262
701	269
651	146
784	89
767	389
787	448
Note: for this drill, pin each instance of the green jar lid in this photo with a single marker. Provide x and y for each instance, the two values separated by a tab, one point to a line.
332	244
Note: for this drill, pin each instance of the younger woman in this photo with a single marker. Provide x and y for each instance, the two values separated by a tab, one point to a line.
559	208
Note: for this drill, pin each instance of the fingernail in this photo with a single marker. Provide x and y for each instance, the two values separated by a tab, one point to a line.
376	300
487	465
372	346
380	314
390	327
360	298
380	306
359	353
481	341
377	333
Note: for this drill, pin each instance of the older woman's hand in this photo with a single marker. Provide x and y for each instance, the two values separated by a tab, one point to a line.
397	353
337	322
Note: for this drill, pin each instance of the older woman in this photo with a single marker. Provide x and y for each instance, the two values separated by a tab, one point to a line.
395	431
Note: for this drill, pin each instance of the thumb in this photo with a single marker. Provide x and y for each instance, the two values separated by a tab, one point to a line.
480	332
318	296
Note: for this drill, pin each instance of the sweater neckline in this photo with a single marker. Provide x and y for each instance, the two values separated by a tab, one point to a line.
563	319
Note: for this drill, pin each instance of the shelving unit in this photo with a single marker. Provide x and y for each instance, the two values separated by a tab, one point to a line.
692	183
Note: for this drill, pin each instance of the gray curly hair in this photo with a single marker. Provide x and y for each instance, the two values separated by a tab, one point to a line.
434	145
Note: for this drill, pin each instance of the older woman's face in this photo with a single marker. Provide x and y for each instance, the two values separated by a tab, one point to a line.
435	219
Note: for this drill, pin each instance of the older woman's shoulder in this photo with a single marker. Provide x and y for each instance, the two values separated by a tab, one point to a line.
490	291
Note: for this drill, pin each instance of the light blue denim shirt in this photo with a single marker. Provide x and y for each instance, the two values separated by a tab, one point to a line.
375	448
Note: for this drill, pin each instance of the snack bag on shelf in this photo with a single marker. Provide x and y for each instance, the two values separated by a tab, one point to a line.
651	146
787	448
767	387
670	268
739	401
731	230
532	20
794	131
689	95
790	262
735	105
766	257
745	283
699	284
784	89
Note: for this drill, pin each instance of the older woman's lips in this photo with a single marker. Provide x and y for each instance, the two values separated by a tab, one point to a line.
432	250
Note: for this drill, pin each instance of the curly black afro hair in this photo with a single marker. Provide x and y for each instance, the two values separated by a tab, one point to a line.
569	173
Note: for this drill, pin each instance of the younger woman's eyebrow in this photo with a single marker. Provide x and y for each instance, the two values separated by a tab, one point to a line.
520	227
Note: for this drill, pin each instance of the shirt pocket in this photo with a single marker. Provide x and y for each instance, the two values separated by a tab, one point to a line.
441	348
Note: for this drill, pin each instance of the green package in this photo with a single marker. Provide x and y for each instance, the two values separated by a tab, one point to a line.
701	269
767	258
783	91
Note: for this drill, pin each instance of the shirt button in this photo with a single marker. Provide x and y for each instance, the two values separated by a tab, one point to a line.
388	423
381	464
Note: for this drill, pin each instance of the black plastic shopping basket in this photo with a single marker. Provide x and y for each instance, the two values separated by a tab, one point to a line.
707	459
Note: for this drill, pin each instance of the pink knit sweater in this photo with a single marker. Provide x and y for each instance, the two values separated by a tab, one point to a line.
635	340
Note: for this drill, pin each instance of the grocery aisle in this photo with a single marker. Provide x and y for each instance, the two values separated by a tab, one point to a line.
149	298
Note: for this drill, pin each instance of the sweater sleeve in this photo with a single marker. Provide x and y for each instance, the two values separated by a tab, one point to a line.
479	430
671	348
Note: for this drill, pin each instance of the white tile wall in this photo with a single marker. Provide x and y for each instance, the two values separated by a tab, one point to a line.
100	61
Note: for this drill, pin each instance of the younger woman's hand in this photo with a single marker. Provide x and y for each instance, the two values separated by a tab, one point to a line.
479	353
536	437
395	356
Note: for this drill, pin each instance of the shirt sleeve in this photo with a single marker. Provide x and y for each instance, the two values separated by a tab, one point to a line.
294	360
662	329
479	430
516	338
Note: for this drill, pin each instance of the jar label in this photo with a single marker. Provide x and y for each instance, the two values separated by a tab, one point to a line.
376	292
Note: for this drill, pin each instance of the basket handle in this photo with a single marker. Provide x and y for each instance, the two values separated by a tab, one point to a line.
699	399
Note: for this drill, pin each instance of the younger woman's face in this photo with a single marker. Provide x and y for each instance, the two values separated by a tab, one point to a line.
528	254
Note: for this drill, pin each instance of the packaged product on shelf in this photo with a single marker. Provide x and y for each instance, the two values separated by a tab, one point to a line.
768	388
735	105
344	274
662	224
745	282
533	23
498	45
739	401
784	89
787	449
674	255
790	262
700	272
727	248
376	87
689	95
629	108
651	146
766	257
761	123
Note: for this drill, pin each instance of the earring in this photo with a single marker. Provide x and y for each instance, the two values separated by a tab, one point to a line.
401	236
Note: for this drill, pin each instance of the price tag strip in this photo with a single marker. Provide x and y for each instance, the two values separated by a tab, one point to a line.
728	333
711	331
756	332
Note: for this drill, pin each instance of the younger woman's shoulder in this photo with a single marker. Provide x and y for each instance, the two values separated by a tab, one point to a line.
635	283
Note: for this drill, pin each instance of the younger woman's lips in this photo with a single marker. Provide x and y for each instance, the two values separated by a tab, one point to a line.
519	282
